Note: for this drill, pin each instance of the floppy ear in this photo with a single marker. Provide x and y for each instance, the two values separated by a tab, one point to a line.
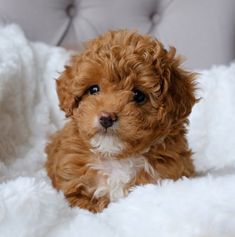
64	86
178	87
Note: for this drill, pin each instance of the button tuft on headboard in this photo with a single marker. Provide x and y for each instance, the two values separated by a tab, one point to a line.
71	10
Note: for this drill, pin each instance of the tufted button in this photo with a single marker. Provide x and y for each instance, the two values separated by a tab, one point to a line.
71	10
155	18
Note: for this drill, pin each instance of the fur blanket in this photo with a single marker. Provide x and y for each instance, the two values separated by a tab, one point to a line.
201	207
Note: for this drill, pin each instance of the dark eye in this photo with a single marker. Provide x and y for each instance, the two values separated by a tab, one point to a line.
139	97
93	89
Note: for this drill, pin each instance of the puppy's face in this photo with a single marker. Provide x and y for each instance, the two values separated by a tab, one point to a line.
117	112
125	93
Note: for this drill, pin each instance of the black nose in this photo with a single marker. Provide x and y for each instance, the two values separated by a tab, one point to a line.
107	119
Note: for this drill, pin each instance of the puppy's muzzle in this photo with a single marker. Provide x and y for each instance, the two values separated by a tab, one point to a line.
107	119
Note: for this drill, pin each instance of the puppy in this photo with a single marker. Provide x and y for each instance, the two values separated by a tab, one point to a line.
127	101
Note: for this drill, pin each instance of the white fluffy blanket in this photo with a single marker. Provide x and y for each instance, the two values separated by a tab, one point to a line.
29	206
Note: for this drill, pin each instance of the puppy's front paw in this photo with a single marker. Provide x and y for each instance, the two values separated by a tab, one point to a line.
81	194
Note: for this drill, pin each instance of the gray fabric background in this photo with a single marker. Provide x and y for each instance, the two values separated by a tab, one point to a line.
201	30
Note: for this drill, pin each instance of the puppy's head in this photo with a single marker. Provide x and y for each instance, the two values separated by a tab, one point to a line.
125	92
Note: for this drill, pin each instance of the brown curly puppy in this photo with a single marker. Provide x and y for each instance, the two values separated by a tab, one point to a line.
127	100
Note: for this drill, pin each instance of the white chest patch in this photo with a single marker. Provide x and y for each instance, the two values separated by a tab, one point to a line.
106	144
115	174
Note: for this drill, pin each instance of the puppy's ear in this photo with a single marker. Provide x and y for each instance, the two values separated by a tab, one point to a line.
64	86
178	86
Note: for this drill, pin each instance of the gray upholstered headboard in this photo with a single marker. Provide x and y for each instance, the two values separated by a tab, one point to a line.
201	30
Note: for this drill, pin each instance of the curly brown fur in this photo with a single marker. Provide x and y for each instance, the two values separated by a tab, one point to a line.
94	165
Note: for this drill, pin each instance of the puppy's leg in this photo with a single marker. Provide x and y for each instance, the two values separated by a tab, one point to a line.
70	174
80	192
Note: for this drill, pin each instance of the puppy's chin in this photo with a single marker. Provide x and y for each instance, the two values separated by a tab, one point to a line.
107	143
113	142
106	140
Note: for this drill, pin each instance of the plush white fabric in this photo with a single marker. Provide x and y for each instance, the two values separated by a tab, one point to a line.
29	206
